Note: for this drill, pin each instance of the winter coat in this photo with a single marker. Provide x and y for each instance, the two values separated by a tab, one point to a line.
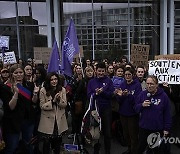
50	113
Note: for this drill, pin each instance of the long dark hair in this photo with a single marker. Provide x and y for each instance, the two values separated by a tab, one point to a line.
48	87
42	77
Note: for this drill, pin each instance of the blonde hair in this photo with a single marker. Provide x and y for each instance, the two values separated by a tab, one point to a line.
13	68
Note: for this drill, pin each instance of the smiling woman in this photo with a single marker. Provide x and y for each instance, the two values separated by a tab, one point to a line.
53	119
17	97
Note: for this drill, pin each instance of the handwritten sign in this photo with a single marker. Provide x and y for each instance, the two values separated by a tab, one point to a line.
9	58
42	54
165	70
139	54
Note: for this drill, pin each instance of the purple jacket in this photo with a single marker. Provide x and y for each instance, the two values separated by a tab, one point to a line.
117	81
104	99
157	115
127	102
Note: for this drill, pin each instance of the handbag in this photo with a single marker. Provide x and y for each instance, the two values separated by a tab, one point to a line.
2	143
91	124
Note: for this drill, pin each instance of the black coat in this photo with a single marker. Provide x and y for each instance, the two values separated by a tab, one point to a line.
13	119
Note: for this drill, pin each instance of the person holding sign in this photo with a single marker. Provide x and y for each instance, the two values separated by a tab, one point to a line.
154	108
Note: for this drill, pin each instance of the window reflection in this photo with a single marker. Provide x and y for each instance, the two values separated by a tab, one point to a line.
111	24
7	10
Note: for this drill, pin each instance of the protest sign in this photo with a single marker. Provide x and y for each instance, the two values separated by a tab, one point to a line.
168	57
165	70
139	54
42	54
9	58
81	52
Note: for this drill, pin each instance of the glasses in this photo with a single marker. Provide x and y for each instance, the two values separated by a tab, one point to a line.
150	84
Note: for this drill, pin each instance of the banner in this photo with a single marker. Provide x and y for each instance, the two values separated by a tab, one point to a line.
139	54
165	70
9	58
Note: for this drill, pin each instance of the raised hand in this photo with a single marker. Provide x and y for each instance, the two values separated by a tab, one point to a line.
118	92
146	103
36	89
125	92
15	88
98	90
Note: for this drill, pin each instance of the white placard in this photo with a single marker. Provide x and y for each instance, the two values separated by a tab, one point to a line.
165	70
4	42
9	58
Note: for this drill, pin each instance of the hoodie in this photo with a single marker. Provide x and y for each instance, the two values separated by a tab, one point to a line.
155	117
117	81
127	102
103	100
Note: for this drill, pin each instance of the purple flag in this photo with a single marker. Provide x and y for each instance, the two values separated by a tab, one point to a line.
70	48
54	62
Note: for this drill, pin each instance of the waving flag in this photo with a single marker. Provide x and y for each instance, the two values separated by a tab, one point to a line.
70	48
54	62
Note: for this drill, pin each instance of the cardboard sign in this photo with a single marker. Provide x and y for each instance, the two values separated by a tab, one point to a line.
81	52
139	54
165	70
9	58
168	57
42	54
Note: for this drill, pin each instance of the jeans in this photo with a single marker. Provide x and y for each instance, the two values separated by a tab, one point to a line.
27	134
12	139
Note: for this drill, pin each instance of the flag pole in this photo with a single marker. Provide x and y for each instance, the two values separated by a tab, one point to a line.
3	52
80	60
93	54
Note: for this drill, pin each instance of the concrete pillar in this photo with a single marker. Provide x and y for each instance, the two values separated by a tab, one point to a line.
49	27
163	27
171	27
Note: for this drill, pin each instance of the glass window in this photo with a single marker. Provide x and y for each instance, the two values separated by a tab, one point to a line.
32	11
7	12
111	21
143	14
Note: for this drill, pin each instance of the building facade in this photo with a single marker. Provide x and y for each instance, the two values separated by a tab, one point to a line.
103	28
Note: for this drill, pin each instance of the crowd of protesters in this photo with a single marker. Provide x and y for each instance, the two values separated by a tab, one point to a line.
36	103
